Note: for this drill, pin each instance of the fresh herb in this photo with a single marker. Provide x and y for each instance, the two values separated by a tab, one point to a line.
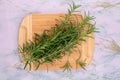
82	64
67	66
114	46
57	42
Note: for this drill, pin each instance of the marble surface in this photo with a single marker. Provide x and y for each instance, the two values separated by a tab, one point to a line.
105	64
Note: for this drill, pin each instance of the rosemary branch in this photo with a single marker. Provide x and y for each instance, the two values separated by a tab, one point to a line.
57	42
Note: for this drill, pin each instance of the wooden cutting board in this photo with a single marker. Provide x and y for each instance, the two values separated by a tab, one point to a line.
37	23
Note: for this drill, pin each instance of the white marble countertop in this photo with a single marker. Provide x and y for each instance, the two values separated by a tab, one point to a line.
105	64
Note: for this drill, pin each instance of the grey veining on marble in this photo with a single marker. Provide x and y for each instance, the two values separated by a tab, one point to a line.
105	64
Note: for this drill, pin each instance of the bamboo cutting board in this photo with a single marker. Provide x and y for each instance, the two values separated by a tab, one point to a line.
37	23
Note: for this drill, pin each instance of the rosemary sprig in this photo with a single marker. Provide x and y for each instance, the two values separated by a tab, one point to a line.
82	64
57	42
67	66
114	46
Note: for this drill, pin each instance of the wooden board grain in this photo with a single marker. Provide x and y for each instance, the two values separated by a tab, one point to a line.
37	23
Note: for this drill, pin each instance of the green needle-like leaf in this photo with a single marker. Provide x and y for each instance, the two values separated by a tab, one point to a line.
67	66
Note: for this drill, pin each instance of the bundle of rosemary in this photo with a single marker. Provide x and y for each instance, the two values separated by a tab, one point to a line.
57	42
